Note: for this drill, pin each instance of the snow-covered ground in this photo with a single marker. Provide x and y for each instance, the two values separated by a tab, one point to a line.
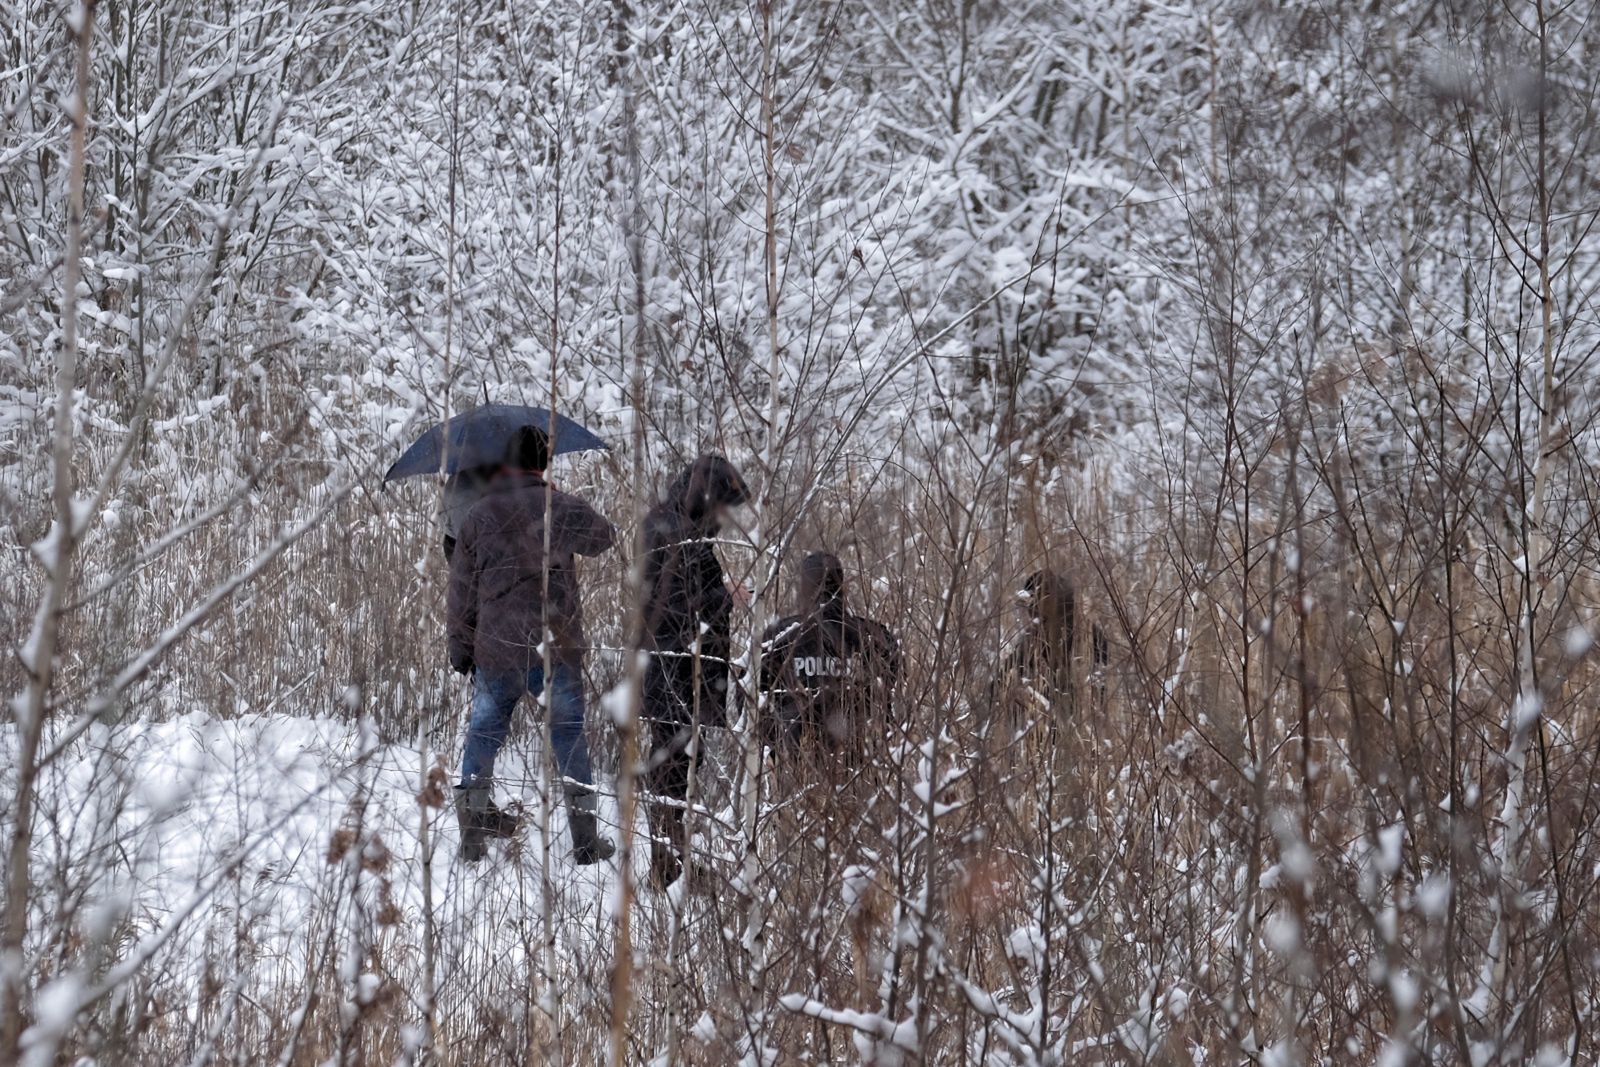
226	823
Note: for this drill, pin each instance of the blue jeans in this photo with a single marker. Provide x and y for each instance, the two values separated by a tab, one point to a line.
495	696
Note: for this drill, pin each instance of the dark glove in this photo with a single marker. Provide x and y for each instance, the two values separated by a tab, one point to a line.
461	663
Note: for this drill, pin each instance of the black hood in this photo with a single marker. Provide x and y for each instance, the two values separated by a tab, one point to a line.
703	486
822	582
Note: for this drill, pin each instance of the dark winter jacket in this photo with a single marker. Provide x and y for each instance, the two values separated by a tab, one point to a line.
1044	654
687	598
831	674
497	610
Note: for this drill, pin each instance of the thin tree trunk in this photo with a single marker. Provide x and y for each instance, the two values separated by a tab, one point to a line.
1523	717
754	940
548	776
57	555
626	711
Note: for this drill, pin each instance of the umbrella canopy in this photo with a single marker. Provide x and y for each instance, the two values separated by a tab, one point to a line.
478	436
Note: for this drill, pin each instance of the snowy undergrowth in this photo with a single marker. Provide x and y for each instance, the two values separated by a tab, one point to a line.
245	820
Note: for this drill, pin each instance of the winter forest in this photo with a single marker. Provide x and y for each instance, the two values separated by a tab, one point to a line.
1199	393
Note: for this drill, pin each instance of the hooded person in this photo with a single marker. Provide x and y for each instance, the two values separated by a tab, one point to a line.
1044	654
688	635
514	587
829	674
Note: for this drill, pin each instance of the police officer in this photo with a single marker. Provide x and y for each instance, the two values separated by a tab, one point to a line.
830	675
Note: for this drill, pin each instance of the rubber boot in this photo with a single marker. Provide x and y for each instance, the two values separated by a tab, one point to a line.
501	823
471	805
481	820
587	844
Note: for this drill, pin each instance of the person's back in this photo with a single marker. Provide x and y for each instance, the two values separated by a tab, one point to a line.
1043	656
498	590
831	674
688	603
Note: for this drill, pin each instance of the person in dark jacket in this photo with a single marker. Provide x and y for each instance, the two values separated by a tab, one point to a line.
830	674
688	634
507	597
1043	658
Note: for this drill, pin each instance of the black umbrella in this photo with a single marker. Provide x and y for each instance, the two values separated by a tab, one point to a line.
478	436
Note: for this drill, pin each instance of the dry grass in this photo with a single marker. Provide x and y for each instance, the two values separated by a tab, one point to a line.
1238	833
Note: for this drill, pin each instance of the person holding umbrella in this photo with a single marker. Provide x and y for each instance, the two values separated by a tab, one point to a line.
514	587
